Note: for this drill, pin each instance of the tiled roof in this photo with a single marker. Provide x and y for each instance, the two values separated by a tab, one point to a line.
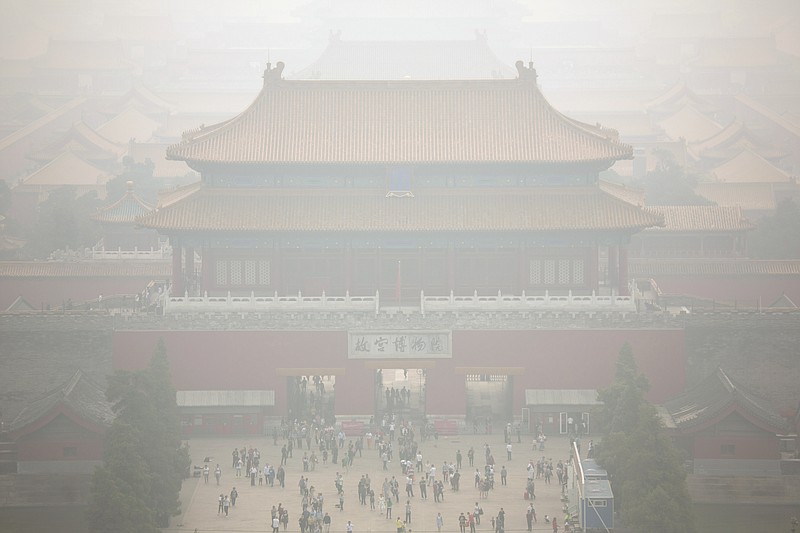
791	126
83	396
397	60
129	124
700	218
532	209
632	195
732	140
125	210
82	141
714	397
712	267
748	196
330	122
68	169
690	124
157	153
677	97
749	167
85	269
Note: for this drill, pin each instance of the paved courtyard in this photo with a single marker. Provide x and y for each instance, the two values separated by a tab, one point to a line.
252	511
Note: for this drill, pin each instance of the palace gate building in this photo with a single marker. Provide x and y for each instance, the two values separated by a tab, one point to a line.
432	247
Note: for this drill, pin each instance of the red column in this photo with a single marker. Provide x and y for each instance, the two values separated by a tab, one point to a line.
612	266
623	271
348	268
205	269
177	269
189	261
592	268
451	268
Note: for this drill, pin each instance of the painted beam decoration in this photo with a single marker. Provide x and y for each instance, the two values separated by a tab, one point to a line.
399	345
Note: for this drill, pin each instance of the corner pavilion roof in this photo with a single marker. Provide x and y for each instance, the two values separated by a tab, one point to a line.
405	122
504	210
125	210
715	397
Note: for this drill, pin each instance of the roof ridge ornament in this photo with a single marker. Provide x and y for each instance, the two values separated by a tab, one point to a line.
526	73
273	74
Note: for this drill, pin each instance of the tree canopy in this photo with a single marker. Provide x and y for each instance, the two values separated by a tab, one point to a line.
646	469
670	184
136	489
778	235
64	222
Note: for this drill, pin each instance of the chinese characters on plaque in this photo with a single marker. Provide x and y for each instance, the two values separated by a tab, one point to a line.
399	344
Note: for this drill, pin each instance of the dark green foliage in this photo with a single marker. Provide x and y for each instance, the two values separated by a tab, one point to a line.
64	222
669	184
777	236
646	469
137	487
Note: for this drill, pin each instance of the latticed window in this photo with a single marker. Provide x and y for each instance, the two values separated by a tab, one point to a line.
250	272
578	271
563	271
236	272
263	272
535	272
549	271
222	272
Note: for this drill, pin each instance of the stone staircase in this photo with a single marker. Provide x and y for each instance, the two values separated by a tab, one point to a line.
744	490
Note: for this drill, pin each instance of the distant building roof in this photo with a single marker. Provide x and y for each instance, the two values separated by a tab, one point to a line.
82	398
690	124
125	210
413	60
84	56
700	218
676	98
529	209
129	124
68	169
731	141
717	396
157	153
749	167
384	122
748	196
82	141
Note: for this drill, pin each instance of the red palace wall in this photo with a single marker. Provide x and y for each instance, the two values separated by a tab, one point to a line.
552	359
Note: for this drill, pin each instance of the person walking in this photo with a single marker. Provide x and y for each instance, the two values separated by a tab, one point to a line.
462	523
408	511
217	473
349	527
439	522
326	523
276	524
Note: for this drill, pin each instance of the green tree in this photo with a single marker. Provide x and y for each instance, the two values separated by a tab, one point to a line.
64	222
778	235
645	467
139	483
670	184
